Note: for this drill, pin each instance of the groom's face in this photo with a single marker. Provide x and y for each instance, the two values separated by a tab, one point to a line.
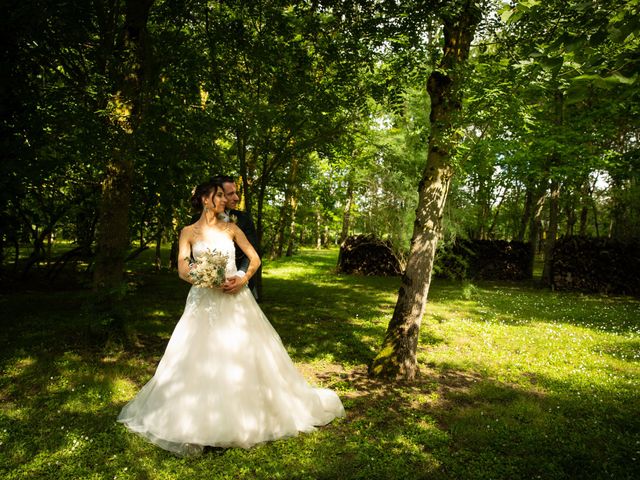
231	194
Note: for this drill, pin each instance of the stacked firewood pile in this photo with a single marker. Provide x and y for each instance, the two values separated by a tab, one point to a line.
368	255
484	259
596	265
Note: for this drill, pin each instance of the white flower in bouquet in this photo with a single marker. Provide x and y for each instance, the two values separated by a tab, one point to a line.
209	269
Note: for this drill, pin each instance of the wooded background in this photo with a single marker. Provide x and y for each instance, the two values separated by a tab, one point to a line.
113	110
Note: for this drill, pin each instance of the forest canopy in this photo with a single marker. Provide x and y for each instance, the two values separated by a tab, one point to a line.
113	110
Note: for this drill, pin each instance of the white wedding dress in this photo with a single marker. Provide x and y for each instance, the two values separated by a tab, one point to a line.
225	378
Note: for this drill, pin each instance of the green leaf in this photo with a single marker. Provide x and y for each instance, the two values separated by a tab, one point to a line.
506	14
617	34
585	78
617	77
574	44
576	94
603	83
517	15
551	63
512	15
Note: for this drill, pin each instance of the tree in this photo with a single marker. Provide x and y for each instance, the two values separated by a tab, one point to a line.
126	105
397	358
547	94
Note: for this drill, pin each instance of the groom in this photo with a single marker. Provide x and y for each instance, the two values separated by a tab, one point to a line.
245	223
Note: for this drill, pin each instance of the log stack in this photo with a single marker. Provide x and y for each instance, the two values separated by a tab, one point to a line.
368	255
484	260
598	265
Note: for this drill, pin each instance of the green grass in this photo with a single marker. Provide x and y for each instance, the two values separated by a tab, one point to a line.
516	383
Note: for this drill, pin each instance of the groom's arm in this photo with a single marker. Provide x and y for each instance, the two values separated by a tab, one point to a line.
246	225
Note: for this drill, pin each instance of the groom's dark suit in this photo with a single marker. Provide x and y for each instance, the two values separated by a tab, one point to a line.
245	223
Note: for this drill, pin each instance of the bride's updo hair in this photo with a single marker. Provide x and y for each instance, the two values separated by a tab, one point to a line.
204	190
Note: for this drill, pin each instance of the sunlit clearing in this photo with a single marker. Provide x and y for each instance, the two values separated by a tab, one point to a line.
123	389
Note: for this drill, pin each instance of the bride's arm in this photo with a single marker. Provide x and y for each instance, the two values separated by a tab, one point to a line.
184	253
254	260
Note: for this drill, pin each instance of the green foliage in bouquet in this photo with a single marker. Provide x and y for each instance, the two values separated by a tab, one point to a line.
208	270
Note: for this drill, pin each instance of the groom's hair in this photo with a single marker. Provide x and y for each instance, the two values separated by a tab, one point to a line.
223	179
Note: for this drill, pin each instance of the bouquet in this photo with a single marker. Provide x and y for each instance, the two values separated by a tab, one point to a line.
209	269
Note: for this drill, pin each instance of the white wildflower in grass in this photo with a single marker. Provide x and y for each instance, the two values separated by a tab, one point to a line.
208	270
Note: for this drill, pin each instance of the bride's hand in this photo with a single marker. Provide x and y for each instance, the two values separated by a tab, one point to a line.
233	285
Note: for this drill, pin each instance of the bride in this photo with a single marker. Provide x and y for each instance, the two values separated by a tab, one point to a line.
225	379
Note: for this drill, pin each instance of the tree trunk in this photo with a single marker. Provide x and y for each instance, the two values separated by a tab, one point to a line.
318	229
537	202
244	171
584	213
278	245
49	247
346	216
292	226
127	106
494	222
286	214
552	233
572	218
595	217
554	198
619	211
483	213
112	239
262	189
585	198
526	214
158	260
397	358
173	254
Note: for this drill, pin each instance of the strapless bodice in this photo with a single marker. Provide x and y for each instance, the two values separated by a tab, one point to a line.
218	242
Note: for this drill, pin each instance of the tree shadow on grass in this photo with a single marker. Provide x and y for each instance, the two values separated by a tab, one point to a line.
626	350
455	424
344	323
449	424
58	415
59	379
507	431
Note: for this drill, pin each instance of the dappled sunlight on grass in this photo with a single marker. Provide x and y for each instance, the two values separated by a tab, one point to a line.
516	382
560	368
520	304
322	316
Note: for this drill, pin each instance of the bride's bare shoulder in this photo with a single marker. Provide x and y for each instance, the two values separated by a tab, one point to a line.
232	228
189	232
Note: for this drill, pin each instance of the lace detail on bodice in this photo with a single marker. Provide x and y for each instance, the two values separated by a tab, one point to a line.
219	242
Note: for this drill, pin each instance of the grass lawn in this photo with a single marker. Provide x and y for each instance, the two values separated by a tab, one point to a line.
517	382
